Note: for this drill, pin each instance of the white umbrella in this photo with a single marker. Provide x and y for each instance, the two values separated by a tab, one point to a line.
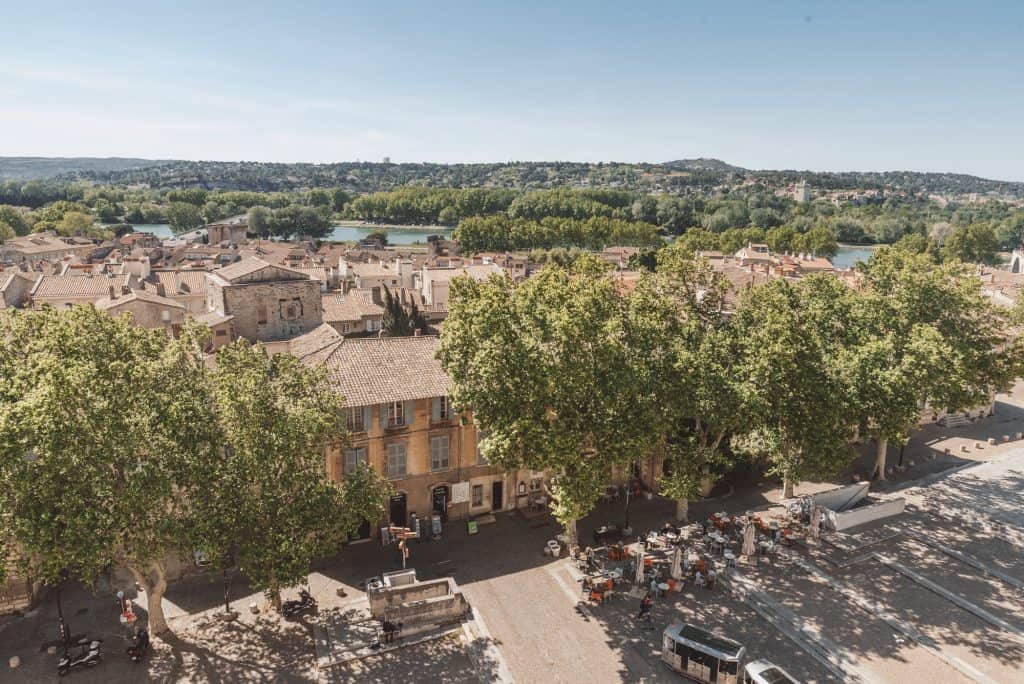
677	564
749	547
815	522
639	565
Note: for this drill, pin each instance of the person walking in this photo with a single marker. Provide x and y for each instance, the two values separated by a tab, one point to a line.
645	605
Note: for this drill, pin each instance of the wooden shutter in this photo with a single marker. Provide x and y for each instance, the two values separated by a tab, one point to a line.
383	408
367	417
409	405
435	409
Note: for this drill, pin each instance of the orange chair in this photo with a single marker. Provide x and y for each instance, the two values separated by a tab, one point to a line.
648	562
597	596
671	585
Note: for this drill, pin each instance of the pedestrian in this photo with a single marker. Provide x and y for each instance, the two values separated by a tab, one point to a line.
654	586
645	605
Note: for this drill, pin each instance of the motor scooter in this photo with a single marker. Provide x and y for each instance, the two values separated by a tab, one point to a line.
88	656
295	608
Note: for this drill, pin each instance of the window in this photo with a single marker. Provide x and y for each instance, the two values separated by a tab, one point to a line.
478	495
344	327
439	458
354	421
353	457
396	414
261	312
291	309
396	460
441	409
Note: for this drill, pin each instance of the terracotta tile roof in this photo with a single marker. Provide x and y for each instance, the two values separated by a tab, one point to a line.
147	296
248	266
212	318
315	345
38	243
353	306
77	286
181	282
318	273
377	370
475	271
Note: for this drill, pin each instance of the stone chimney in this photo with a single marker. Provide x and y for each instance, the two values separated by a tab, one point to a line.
160	290
111	292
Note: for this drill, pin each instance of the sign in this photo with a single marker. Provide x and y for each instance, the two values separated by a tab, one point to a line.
460	493
471	527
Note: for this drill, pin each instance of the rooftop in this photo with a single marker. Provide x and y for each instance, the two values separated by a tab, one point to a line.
377	370
78	285
353	306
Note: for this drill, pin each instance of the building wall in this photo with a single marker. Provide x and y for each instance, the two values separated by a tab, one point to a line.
420	481
16	294
253	303
149	315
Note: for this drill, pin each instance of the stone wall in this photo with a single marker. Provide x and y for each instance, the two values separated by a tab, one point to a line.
289	308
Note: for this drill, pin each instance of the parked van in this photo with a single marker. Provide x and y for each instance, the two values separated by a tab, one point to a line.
764	672
701	655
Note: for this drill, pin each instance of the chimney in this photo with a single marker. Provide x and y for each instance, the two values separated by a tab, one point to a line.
375	295
416	332
110	290
160	290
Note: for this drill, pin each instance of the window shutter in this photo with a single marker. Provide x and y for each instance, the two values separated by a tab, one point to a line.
435	409
383	408
409	405
367	417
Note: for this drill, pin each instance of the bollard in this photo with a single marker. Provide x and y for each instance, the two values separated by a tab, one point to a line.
1020	435
946	451
964	447
977	445
1006	438
992	441
254	609
14	662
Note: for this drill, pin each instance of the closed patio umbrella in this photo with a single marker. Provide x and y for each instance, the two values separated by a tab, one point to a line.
639	566
749	546
677	564
816	522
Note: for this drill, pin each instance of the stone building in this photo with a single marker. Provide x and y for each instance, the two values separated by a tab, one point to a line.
404	426
233	229
46	246
355	312
267	302
63	291
14	288
147	308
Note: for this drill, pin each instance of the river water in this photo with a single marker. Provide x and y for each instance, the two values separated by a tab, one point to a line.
397	235
846	257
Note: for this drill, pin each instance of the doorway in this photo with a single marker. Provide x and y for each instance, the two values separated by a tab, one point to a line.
497	495
398	510
440	499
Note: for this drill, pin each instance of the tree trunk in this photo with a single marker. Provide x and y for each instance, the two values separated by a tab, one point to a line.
154	595
682	510
883	447
570	531
273	592
787	487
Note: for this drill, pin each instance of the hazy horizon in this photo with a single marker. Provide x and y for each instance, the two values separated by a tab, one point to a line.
923	86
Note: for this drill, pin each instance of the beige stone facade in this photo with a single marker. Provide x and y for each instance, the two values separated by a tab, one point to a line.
424	457
266	302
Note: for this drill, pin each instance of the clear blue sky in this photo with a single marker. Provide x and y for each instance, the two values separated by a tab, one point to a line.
933	86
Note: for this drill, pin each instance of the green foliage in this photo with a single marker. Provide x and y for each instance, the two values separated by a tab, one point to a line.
102	427
275	509
14	219
184	216
499	233
400	321
976	243
546	368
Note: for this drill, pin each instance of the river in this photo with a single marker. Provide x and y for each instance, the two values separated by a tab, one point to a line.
849	255
397	235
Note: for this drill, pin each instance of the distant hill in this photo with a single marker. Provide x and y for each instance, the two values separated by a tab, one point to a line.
700	175
41	168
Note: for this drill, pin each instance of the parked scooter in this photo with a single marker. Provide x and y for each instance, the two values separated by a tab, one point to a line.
295	608
88	656
139	647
